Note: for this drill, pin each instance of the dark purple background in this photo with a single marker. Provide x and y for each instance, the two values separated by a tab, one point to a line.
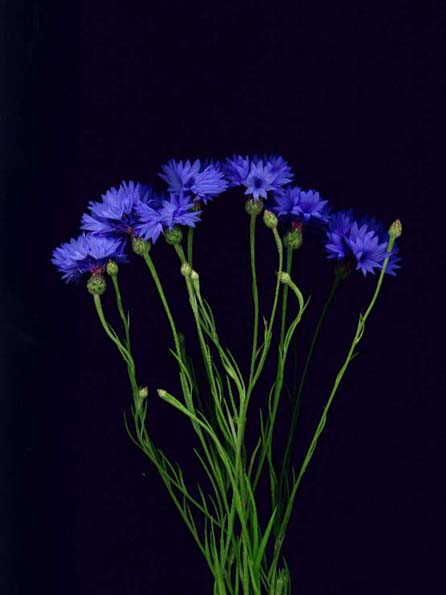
98	92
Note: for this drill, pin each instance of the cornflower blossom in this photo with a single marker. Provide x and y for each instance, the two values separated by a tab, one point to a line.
115	214
178	209
258	175
297	205
87	253
201	181
357	243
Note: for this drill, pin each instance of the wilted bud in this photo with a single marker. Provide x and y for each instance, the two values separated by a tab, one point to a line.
293	239
140	246
112	268
96	284
396	229
173	236
254	207
269	219
186	269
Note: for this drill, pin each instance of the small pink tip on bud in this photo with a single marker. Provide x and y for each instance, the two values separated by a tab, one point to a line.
173	236
254	207
269	219
396	229
140	246
293	238
112	268
96	284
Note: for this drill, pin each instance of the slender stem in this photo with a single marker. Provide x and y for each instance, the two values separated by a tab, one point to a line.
190	241
350	354
289	260
162	295
255	293
121	310
296	402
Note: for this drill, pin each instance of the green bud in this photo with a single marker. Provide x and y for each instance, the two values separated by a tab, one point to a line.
254	207
161	392
293	239
282	582
284	278
195	278
186	269
96	284
269	219
143	392
396	229
173	236
112	268
140	246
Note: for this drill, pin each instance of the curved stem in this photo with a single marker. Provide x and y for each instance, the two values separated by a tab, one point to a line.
121	310
152	269
350	355
296	403
255	293
289	261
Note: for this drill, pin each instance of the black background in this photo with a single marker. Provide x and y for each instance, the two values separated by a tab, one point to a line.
99	92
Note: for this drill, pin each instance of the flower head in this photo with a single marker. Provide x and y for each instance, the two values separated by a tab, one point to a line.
258	175
87	253
177	209
115	214
201	181
300	205
359	243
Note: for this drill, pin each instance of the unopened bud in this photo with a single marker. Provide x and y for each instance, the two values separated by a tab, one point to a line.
284	278
140	246
173	236
112	268
282	583
293	239
96	284
143	392
161	393
254	207
269	219
396	229
195	278
186	269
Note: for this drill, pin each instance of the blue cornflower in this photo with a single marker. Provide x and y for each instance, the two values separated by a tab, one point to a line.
300	205
356	242
202	181
87	254
258	175
383	234
115	214
178	209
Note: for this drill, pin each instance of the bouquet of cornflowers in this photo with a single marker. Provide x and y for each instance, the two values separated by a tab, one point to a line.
242	549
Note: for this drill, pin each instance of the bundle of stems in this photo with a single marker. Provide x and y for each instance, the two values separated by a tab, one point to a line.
243	550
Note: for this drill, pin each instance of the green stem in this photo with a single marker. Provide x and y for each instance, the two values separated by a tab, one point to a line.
296	403
152	269
350	354
190	241
255	294
121	310
289	260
